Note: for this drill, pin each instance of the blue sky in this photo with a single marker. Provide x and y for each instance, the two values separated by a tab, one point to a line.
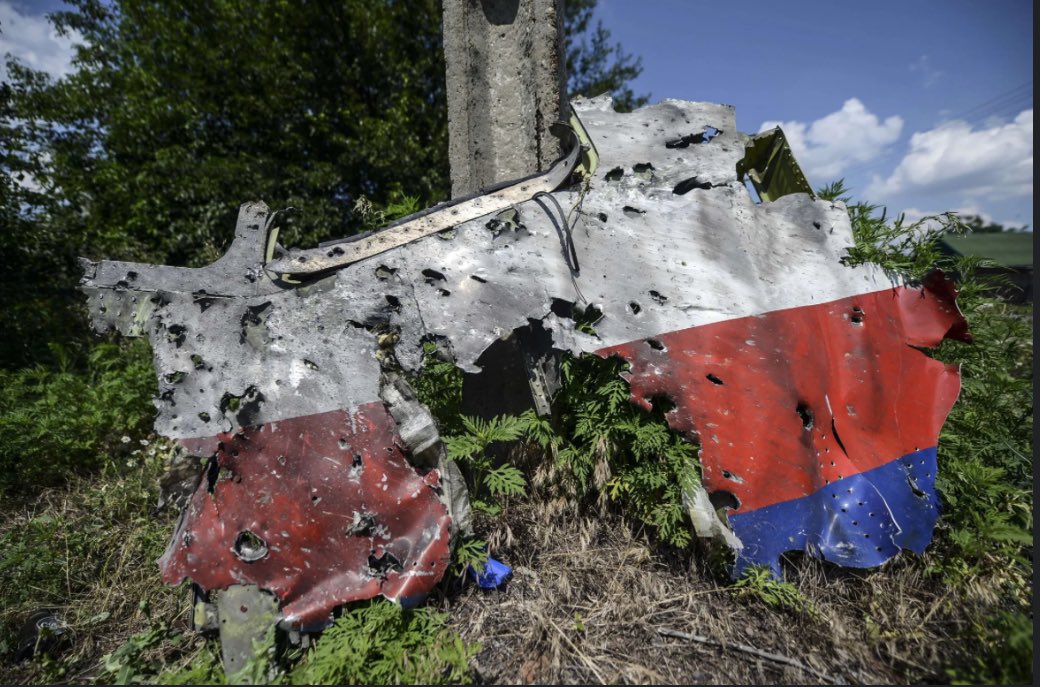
921	105
914	103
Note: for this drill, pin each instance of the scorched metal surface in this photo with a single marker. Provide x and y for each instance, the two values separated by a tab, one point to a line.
818	418
320	510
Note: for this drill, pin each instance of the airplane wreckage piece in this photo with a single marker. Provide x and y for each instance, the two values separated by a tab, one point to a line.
326	482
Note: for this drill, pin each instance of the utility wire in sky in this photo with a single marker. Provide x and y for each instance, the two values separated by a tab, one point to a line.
1004	105
1019	94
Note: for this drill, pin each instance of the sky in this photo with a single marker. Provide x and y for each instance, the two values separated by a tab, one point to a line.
922	106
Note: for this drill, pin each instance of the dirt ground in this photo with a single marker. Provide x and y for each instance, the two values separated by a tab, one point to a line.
591	602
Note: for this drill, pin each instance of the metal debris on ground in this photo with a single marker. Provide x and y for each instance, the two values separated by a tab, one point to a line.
494	574
325	480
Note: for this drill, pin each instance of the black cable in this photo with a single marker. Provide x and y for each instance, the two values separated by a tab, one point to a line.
569	252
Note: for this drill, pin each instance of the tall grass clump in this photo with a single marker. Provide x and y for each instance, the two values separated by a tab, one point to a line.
983	540
71	417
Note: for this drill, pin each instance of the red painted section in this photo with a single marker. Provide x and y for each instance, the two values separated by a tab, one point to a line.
297	485
786	402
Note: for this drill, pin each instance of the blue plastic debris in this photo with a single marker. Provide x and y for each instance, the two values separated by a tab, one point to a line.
495	573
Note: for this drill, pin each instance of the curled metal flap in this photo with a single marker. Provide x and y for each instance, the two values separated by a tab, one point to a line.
769	162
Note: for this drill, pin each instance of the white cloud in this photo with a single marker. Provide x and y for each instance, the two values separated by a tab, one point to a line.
991	163
33	40
830	145
929	74
914	214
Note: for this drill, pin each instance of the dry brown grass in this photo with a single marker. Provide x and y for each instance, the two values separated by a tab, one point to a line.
590	597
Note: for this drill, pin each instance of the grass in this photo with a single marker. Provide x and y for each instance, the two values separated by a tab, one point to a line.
86	552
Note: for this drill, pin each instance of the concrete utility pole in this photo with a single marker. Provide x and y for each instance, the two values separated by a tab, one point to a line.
506	86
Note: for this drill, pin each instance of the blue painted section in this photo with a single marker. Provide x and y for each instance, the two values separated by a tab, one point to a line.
411	601
495	573
859	521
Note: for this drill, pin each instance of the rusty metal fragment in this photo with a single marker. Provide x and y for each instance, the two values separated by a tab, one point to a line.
799	376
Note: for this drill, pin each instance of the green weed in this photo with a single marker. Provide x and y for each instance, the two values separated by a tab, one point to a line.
470	450
471	553
604	442
758	582
373	642
373	216
381	643
439	385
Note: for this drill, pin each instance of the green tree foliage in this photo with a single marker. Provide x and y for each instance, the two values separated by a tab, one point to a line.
36	291
179	111
595	65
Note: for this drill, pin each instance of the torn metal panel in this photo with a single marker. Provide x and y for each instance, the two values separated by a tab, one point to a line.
320	511
817	424
672	250
249	614
771	166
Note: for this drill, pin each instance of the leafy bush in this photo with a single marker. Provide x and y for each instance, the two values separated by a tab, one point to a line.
72	416
631	455
373	642
985	477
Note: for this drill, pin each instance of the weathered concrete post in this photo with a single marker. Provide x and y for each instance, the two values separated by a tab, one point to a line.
505	79
506	86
